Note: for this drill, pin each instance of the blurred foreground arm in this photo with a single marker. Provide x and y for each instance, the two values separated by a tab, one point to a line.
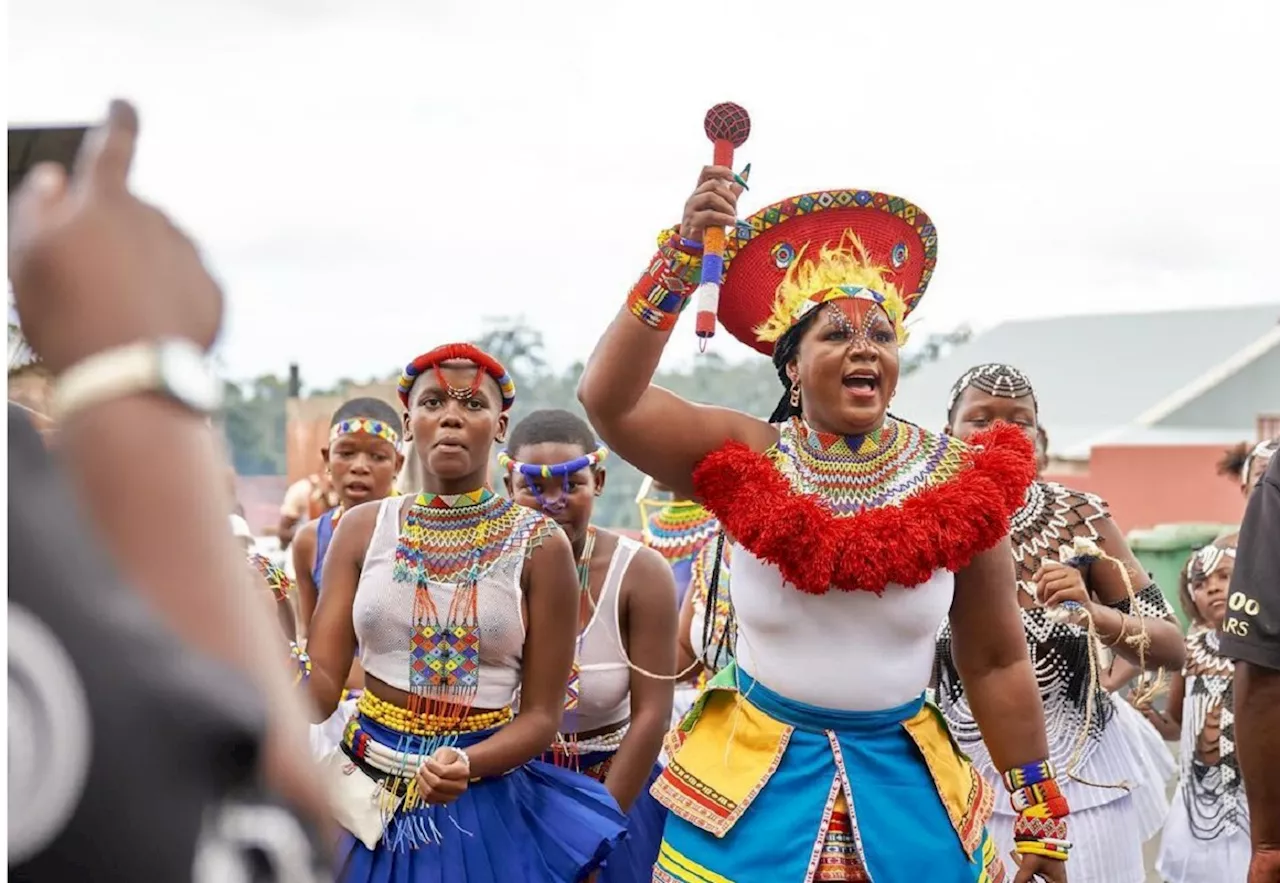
94	268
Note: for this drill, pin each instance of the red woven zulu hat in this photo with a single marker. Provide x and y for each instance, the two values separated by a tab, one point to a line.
896	237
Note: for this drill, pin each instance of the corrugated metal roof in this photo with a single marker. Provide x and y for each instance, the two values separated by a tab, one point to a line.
1093	374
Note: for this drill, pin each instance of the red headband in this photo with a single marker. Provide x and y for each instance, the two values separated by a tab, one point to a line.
459	352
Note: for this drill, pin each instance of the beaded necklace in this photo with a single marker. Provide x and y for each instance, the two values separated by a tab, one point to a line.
853	473
564	751
679	529
1052	517
1210	768
450	539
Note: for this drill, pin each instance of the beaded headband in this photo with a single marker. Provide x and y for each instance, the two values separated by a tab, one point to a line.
1207	560
557	470
366	425
995	379
458	352
1266	449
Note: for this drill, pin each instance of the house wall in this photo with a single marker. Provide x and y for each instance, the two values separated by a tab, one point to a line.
307	425
1237	401
1167	484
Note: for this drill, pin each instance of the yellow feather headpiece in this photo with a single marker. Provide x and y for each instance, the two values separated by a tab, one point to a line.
839	272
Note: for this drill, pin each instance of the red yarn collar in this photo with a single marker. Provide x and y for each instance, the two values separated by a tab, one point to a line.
941	527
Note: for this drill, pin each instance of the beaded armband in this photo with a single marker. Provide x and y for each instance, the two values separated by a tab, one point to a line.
1151	604
302	661
660	295
1041	825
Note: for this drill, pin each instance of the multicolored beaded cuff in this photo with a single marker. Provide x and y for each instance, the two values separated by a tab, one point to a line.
664	290
367	426
1032	795
1029	774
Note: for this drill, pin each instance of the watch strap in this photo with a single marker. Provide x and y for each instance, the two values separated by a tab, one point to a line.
116	373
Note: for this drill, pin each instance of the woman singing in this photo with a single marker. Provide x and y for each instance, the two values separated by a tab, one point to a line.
814	756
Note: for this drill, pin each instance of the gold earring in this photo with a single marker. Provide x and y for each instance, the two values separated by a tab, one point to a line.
795	393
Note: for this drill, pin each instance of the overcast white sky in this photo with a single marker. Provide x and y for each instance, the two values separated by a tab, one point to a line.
369	178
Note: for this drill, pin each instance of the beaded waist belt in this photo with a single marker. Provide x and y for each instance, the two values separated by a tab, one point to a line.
417	736
571	745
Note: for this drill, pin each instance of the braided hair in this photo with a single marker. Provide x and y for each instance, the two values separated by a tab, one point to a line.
784	353
995	379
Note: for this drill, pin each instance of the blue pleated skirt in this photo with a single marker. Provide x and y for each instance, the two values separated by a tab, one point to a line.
536	824
632	860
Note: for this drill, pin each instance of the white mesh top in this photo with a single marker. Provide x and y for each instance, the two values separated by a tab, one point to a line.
383	612
604	679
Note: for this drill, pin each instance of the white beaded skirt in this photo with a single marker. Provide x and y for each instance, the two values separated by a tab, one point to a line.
1184	858
1108	838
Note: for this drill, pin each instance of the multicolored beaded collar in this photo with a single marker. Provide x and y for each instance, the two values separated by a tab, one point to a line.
366	425
557	470
458	352
679	529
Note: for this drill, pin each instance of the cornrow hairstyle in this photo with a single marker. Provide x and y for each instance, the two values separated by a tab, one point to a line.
784	351
995	379
374	409
551	426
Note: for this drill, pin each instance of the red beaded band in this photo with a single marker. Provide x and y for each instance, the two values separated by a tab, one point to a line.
1028	828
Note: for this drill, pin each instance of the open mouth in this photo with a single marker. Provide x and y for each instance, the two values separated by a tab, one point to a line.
862	383
358	489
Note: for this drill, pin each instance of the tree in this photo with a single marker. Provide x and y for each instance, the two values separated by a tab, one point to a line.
253	420
519	347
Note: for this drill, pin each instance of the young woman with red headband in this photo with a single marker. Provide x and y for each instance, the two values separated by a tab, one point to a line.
458	600
813	755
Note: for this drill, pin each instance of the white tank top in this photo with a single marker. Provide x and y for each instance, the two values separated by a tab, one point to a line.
383	612
604	677
847	651
850	651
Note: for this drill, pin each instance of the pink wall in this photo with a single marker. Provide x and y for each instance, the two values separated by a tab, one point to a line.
1150	485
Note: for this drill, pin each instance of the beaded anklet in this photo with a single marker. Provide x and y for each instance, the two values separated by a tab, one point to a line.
1041	825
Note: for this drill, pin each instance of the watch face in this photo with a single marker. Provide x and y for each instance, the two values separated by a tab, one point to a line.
188	377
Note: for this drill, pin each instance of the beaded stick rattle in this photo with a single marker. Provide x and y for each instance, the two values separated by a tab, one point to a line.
727	125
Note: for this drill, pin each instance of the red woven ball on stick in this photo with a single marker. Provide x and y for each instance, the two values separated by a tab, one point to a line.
727	122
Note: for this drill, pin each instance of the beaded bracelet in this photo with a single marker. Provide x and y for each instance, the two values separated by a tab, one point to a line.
1029	774
1025	798
303	661
663	292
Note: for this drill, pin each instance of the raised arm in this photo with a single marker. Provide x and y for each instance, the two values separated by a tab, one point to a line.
653	429
649	598
551	591
989	648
